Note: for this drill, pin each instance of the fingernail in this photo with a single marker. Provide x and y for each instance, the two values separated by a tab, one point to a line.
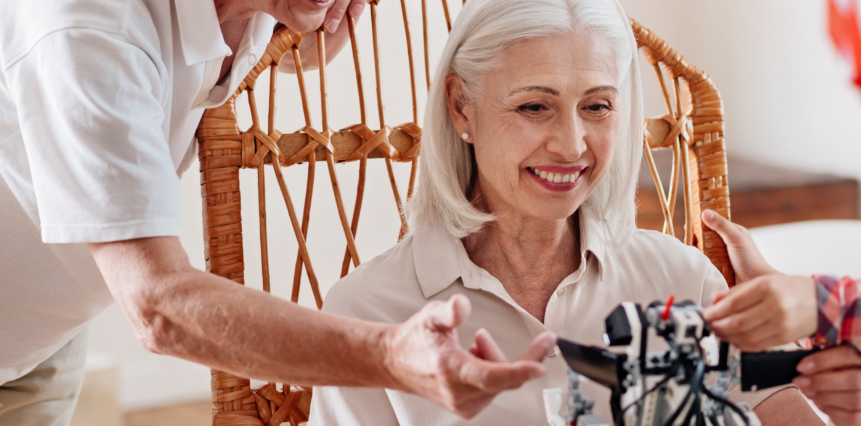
331	25
535	374
707	215
357	9
805	366
801	382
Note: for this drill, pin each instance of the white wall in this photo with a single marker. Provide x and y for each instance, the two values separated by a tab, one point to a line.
787	99
787	95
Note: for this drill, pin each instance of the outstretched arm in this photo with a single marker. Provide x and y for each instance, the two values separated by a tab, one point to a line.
769	308
180	311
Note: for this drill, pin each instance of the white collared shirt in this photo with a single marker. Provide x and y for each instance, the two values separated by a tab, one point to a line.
99	102
431	265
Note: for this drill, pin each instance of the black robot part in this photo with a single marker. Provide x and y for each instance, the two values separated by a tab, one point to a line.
618	329
597	364
763	370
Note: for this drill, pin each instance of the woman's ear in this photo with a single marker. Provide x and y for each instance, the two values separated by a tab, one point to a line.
458	107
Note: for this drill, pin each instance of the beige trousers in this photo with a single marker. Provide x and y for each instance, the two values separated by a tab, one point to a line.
47	395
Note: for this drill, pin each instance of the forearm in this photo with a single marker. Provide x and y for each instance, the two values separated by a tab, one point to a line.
177	310
180	311
838	311
215	322
786	407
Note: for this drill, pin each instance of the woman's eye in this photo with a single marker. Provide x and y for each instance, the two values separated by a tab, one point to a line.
531	108
597	107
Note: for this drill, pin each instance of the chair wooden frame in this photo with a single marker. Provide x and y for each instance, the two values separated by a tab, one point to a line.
693	128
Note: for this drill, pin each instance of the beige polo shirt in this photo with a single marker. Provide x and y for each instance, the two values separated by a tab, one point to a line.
431	265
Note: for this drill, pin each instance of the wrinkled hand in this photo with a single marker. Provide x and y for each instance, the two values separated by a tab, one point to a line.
767	311
832	379
336	38
425	357
339	10
746	259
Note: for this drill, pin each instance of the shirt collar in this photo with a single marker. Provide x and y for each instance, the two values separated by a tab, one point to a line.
200	32
437	255
593	238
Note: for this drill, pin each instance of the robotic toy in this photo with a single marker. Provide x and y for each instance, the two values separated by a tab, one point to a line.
664	388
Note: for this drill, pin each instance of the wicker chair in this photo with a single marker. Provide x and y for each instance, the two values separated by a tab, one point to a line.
693	129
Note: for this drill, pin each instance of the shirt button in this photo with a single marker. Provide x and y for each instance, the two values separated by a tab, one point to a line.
252	59
552	352
560	291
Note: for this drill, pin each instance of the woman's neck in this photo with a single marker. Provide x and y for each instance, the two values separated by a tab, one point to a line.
530	257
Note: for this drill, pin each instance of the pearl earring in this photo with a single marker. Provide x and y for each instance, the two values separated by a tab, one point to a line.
465	136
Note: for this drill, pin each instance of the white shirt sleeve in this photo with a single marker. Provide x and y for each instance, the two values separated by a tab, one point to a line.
91	107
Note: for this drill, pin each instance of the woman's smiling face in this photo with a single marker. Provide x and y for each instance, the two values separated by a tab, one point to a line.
543	125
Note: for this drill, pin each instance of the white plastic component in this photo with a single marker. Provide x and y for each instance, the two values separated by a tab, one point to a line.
648	414
711	349
553	406
636	329
689	326
650	403
675	395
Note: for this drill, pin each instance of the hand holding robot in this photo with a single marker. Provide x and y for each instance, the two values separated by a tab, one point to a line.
766	309
665	388
769	308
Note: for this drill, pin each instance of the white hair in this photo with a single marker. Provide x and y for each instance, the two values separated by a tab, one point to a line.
483	29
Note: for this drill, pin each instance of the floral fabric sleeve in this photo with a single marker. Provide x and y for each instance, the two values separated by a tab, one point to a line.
839	311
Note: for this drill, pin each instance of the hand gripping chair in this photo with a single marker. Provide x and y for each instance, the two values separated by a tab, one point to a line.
692	128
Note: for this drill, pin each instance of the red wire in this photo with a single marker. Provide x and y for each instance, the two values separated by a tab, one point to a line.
665	315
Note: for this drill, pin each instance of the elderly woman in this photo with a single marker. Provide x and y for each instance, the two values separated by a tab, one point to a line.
525	205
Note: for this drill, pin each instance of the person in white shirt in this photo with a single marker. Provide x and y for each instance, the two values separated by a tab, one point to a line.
525	204
99	101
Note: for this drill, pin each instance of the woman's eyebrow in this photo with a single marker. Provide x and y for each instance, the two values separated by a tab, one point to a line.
555	92
600	89
544	89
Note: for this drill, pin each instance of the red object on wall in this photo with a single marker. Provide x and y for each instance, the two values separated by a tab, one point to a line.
846	33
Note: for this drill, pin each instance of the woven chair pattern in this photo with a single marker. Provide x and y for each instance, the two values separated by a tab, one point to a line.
693	128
